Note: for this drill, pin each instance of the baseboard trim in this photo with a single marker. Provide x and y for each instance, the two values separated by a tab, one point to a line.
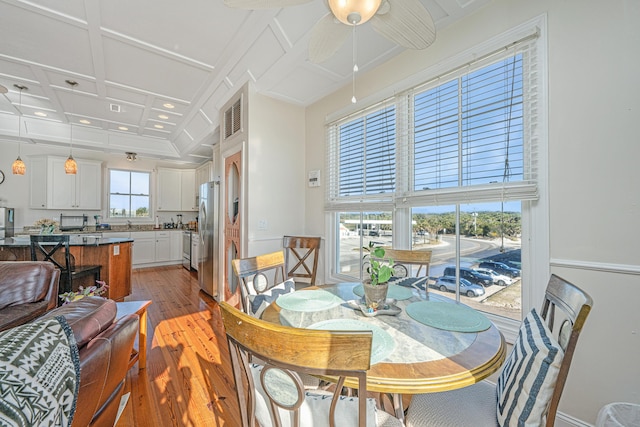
564	420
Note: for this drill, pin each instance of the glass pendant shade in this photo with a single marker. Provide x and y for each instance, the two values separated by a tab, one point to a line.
354	12
18	167
70	166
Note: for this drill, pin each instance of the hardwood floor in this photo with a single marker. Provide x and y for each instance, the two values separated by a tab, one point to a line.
188	379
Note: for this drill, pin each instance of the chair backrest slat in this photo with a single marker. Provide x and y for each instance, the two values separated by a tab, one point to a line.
269	266
565	309
298	351
301	257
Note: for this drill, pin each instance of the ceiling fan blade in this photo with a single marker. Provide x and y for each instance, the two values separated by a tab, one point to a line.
262	4
405	22
327	36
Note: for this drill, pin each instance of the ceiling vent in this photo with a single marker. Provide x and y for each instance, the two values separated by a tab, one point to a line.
115	108
232	119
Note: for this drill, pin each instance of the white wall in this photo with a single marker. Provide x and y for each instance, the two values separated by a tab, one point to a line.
275	173
594	99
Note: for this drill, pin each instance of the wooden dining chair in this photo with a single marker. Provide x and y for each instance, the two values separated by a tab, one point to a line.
411	267
274	392
262	279
301	258
55	249
530	384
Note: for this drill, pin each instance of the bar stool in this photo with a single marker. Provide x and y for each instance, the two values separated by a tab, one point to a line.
44	248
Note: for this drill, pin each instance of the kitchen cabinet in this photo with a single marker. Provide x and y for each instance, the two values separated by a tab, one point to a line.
163	246
156	247
51	188
37	182
203	174
144	247
188	191
80	191
169	189
176	190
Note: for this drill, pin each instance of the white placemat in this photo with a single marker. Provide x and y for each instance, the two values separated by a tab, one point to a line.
382	344
311	300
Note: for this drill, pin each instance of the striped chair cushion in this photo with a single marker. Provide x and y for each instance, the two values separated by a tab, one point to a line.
529	375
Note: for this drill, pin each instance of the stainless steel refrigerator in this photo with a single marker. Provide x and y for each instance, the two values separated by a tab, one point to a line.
209	233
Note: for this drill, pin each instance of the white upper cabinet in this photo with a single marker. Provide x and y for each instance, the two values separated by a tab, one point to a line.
203	174
188	196
176	190
169	189
52	188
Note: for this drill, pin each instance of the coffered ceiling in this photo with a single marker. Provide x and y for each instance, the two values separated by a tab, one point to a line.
153	74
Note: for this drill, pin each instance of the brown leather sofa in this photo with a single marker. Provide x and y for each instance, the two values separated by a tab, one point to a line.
104	346
28	289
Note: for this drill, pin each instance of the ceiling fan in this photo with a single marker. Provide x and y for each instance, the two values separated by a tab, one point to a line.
404	22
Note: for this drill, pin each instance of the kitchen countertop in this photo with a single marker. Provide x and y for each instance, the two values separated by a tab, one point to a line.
73	241
114	229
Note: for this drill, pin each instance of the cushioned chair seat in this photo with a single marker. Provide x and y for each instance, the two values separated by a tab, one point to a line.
444	409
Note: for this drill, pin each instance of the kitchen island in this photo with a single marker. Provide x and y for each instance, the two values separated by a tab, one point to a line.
112	253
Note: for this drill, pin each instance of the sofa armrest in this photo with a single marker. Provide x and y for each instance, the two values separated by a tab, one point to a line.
17	315
28	281
104	363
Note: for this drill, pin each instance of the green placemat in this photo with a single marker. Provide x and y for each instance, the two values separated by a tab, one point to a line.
396	292
448	316
315	300
382	344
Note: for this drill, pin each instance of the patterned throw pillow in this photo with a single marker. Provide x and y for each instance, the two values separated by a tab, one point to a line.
529	375
257	303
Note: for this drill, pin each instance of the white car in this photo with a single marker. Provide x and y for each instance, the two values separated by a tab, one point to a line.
498	279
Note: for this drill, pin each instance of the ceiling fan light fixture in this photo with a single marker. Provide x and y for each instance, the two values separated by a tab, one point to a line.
354	12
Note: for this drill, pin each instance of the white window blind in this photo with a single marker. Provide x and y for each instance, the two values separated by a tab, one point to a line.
469	136
364	161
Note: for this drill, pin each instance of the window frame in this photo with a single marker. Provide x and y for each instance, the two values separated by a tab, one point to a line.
150	195
535	252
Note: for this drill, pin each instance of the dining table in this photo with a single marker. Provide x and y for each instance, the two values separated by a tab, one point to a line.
422	342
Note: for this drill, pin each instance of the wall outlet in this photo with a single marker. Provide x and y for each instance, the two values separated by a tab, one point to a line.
263	224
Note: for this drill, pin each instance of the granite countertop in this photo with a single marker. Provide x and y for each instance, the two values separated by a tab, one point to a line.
91	229
73	241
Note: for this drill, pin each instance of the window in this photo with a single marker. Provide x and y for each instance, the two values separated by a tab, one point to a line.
129	194
450	165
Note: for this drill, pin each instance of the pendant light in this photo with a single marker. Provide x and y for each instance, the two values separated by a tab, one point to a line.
18	167
70	166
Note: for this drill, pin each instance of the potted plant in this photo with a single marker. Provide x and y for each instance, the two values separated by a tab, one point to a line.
379	271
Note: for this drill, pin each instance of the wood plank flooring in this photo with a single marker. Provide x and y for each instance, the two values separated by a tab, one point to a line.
188	380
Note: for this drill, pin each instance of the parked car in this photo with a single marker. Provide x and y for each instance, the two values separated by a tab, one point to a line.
498	279
471	275
500	267
448	283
